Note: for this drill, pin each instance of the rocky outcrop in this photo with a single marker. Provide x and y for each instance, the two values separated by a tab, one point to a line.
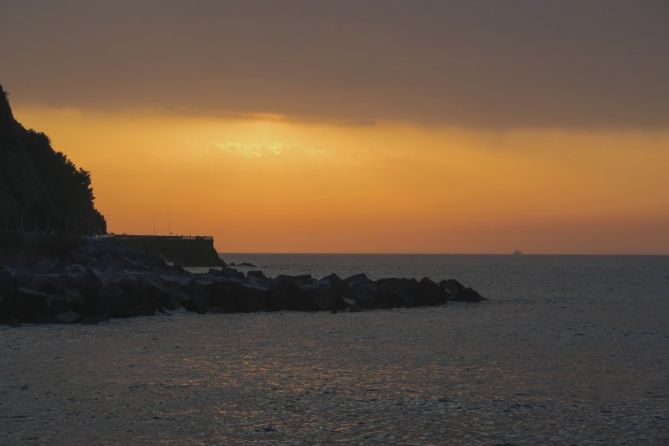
40	188
98	282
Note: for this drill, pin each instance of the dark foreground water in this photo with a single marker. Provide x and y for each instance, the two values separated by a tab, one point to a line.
569	350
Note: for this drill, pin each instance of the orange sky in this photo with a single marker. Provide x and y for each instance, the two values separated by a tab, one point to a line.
270	184
358	126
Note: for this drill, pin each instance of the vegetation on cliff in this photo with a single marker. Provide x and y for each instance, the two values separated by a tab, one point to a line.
40	188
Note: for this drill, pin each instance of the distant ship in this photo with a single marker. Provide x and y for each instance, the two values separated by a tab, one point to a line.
517	253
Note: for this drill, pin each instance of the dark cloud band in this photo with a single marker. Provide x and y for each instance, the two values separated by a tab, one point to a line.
490	64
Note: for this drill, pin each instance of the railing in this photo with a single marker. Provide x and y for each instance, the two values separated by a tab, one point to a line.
162	237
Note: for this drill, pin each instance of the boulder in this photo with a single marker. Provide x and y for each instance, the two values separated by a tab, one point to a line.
430	293
337	284
6	277
129	296
234	297
459	292
45	266
6	305
57	309
258	279
324	298
395	293
363	290
24	304
227	273
301	280
22	277
193	297
68	317
358	281
90	283
43	283
288	293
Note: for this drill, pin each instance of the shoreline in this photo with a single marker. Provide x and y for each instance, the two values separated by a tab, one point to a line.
100	280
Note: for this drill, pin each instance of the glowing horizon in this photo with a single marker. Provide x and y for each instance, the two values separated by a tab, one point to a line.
348	126
267	184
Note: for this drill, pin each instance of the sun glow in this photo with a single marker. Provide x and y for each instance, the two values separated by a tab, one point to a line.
275	185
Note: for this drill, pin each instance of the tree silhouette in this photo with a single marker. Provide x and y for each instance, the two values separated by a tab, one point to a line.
41	189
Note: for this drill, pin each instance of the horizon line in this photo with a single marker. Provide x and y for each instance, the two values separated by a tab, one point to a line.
447	253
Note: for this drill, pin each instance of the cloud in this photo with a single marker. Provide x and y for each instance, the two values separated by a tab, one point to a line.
248	150
477	64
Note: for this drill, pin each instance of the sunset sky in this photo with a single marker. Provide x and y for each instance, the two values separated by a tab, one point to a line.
358	126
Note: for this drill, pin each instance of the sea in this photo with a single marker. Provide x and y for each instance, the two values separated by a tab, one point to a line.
567	350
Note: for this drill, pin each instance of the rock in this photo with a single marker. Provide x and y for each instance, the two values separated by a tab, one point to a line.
233	297
24	305
227	273
301	280
119	281
358	281
22	277
45	266
43	284
68	317
90	282
94	318
287	293
6	277
6	305
351	305
337	284
459	292
395	293
324	298
430	293
129	297
193	297
258	279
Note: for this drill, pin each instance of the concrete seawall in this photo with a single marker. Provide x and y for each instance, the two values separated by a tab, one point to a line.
184	250
31	247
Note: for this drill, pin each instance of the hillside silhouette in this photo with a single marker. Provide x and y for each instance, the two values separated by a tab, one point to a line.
40	188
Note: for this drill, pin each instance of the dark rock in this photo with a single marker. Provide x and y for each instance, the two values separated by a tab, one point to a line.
430	293
351	305
301	280
43	284
68	317
90	282
193	297
459	292
22	277
337	284
25	304
6	305
45	266
130	297
325	298
6	277
287	293
394	293
227	273
257	279
358	281
233	297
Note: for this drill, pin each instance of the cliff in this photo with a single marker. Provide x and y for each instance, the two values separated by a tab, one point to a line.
40	188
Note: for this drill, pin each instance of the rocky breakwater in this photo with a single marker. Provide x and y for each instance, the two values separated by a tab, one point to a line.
98	282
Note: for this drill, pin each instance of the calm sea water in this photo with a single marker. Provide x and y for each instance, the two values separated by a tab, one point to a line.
568	350
537	278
